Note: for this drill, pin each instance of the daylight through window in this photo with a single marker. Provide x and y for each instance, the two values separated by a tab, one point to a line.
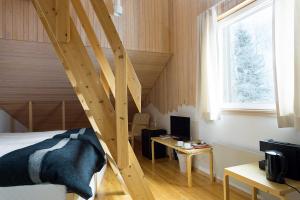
245	45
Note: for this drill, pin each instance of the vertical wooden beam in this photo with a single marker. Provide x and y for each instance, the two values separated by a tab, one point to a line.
63	115
62	8
121	102
30	117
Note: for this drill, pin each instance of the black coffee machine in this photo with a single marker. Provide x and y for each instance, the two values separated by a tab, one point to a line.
275	166
282	160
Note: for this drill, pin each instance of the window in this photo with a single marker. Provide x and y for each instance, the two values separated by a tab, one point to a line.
246	57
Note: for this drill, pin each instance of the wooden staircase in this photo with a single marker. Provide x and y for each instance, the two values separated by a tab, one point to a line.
94	90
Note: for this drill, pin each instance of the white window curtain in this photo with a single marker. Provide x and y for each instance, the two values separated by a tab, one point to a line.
209	91
286	62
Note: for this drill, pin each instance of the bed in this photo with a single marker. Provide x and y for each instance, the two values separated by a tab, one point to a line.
10	142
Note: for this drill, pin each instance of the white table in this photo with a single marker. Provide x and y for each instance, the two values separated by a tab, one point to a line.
171	143
251	175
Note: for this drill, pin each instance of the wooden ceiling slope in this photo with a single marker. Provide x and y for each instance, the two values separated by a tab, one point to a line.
30	71
144	25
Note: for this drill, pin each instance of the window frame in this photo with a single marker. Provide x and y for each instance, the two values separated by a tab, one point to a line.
242	13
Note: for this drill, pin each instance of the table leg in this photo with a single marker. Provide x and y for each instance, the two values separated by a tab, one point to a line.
171	153
132	142
226	187
254	193
152	151
211	160
189	169
70	196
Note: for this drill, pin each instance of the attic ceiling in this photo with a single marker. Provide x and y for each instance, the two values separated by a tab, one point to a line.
31	71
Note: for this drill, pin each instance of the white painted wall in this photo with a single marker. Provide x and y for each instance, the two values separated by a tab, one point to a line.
7	124
235	138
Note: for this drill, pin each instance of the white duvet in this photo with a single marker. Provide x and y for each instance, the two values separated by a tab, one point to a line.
13	141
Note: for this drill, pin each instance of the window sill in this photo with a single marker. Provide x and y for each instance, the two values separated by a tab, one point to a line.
253	112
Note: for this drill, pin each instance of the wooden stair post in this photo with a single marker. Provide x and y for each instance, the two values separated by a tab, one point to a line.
63	115
30	117
93	98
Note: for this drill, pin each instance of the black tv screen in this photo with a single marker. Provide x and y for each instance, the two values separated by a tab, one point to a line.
180	127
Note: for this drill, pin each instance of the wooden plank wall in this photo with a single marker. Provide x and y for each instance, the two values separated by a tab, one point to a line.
143	26
176	85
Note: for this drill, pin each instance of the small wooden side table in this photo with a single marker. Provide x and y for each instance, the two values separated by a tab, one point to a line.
251	175
171	143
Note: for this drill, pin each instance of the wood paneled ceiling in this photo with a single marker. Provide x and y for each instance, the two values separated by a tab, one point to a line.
30	71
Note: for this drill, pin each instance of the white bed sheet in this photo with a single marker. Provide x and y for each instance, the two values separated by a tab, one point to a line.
13	141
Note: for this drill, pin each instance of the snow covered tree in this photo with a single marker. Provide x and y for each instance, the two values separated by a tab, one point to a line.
248	72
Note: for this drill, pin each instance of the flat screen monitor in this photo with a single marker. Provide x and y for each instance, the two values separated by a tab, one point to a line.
180	127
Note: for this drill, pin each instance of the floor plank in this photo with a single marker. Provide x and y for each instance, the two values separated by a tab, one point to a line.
167	183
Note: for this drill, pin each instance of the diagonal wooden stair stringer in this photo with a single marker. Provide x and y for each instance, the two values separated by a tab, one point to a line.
109	124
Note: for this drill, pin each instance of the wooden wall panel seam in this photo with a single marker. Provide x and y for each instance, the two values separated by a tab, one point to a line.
140	29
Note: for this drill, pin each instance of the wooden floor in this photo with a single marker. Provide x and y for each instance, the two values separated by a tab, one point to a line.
167	183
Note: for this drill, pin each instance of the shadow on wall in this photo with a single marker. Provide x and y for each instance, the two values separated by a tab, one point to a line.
235	137
8	125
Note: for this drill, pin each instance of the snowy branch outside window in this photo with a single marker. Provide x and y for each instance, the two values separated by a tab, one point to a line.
246	56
